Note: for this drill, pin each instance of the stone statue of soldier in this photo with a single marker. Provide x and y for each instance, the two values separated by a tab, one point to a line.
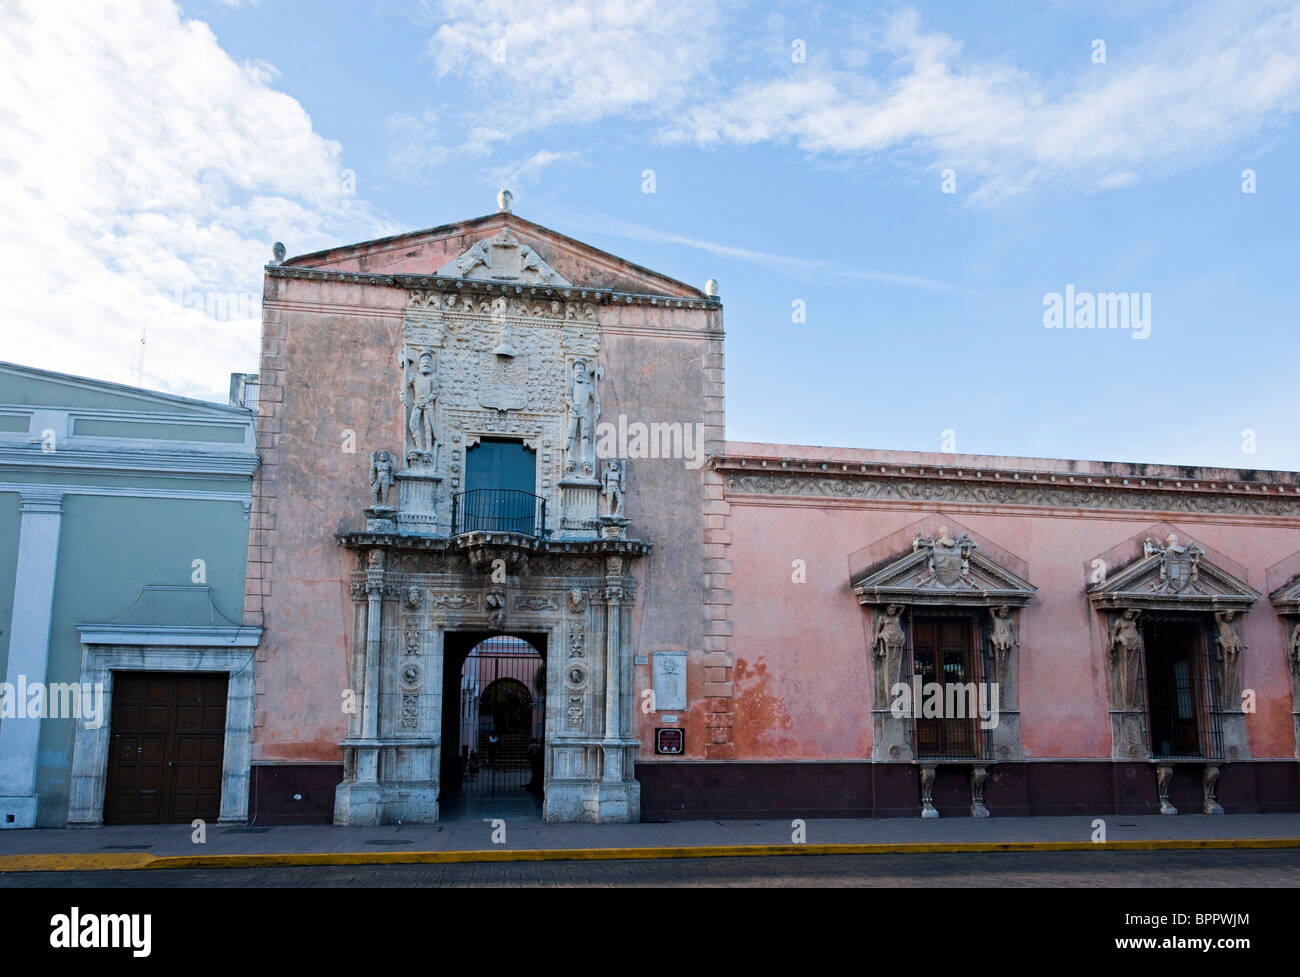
584	411
418	397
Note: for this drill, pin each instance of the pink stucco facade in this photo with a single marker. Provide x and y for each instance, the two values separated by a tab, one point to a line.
758	553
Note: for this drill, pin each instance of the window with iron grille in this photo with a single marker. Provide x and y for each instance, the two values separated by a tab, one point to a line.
948	650
1183	696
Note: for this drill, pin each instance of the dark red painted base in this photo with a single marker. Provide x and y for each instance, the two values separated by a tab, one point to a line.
674	790
274	785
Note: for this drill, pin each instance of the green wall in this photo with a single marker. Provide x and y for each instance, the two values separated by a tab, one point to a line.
10	517
109	548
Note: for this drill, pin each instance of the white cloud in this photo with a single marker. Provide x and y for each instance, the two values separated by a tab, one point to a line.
140	165
777	262
1228	73
526	171
573	61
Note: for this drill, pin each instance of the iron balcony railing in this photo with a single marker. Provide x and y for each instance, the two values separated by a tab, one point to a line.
498	511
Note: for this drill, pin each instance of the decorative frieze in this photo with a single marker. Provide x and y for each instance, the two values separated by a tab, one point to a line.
1265	500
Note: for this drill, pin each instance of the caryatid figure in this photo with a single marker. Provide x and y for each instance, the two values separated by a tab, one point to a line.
584	408
418	397
1126	651
1003	639
1230	648
888	642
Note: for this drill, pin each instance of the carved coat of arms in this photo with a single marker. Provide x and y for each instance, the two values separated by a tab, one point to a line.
1179	565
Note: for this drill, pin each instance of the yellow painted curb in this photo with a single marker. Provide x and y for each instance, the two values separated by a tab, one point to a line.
121	861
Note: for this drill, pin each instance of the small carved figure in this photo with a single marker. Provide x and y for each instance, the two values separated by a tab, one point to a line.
496	605
1295	647
414	597
418	396
1126	655
614	484
888	643
577	600
1230	648
382	475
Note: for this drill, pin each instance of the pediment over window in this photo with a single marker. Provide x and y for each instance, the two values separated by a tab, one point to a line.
502	258
944	571
1171	575
1287	597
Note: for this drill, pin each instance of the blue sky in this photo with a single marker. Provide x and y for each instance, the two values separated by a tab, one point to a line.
152	152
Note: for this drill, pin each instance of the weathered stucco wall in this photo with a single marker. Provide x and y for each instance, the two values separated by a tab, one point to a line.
803	676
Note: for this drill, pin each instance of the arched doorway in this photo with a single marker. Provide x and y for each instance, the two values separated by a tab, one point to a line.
494	739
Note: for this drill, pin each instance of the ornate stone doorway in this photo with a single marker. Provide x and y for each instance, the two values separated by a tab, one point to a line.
493	725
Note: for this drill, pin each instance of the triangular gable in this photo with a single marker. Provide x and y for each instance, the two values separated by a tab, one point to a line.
1173	575
943	570
428	251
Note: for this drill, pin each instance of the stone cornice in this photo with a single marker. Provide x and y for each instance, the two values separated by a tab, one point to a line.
803	477
574	293
237	460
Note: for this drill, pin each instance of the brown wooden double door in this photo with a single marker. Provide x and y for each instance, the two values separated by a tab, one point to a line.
943	652
167	740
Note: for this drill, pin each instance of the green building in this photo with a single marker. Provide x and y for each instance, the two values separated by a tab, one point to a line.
123	539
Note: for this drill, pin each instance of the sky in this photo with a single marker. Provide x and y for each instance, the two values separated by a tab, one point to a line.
889	195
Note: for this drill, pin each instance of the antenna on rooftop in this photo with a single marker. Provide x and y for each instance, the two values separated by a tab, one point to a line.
137	370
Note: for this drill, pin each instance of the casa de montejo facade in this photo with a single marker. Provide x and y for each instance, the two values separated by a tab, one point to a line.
473	538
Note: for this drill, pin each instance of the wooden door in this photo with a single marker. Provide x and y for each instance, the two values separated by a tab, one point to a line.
941	653
167	740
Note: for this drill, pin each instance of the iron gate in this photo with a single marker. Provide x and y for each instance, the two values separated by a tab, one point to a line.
502	718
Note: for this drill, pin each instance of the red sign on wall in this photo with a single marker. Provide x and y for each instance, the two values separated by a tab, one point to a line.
670	740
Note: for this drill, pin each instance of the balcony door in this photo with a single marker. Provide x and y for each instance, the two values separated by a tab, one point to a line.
500	482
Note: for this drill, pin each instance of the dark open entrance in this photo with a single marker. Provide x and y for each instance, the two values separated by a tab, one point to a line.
1181	694
493	724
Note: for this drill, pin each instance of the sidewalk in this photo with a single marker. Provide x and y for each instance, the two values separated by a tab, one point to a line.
170	846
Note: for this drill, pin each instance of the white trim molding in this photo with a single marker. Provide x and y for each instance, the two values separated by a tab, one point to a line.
106	650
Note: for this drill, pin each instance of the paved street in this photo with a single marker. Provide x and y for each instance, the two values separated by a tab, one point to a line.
1021	869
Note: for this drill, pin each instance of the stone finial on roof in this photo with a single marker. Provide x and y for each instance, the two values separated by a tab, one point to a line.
711	288
504	199
277	253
